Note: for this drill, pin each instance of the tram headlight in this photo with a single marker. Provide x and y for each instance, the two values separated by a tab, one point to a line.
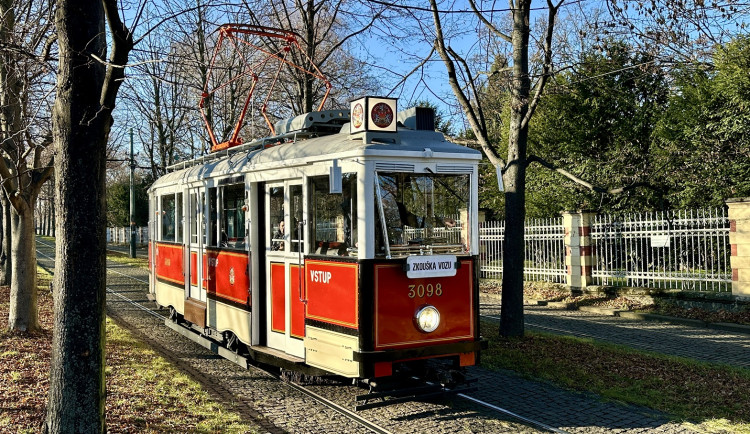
427	319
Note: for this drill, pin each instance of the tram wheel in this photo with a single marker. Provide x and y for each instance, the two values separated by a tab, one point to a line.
231	341
174	316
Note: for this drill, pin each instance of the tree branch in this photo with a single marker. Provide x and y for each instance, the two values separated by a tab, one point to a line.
585	184
487	23
547	65
472	86
122	44
347	37
471	116
10	184
408	74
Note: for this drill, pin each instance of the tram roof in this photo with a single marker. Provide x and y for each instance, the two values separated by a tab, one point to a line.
406	143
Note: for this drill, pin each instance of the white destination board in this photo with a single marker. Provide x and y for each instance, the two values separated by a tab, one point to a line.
431	266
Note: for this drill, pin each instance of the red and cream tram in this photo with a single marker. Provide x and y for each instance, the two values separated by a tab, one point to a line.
346	244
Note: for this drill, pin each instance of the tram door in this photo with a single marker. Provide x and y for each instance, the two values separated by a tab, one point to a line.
196	240
284	309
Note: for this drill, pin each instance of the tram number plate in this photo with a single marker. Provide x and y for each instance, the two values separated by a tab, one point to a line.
430	266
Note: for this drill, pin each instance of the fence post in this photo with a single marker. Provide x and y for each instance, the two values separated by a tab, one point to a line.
739	239
463	216
579	258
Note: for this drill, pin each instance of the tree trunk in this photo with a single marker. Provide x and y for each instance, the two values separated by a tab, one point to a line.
81	120
514	178
23	314
44	220
53	221
5	257
47	217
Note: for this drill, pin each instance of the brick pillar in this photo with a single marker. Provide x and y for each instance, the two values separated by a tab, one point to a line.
739	239
579	255
465	223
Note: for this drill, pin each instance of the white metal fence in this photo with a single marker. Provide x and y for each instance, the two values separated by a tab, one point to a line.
122	235
686	250
544	249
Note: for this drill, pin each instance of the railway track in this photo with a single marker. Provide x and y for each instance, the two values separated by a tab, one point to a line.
227	395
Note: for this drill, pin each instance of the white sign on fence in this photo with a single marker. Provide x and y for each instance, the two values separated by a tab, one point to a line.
660	241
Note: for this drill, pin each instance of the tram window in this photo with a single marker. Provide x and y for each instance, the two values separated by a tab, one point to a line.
193	218
202	223
276	224
213	215
334	216
153	222
421	211
295	202
178	218
233	222
167	217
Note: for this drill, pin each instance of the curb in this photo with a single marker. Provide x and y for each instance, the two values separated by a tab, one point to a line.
663	318
561	305
729	327
602	310
723	326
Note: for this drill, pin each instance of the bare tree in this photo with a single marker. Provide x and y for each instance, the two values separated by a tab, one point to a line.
88	82
25	44
165	103
524	98
325	28
675	30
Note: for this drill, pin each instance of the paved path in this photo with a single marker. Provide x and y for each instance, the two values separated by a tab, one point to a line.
579	414
699	343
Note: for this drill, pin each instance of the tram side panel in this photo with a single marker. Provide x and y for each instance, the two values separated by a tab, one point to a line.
227	280
169	282
332	323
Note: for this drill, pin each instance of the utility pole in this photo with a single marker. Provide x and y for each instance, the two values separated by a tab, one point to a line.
132	198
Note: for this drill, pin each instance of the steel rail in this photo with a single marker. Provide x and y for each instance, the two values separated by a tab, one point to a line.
527	420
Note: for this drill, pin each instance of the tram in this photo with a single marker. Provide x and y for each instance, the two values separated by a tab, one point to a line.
346	244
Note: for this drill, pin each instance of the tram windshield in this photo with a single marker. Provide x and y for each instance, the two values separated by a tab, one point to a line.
421	213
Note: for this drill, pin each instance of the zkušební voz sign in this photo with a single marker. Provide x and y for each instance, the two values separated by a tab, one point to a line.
430	266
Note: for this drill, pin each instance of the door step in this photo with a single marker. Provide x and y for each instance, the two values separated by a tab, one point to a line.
276	353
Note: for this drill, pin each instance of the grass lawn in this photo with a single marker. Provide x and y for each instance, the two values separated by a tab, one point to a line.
710	397
145	394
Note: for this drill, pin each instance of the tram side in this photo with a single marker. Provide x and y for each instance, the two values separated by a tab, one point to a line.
351	254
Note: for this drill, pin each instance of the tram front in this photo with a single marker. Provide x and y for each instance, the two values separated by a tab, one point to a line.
396	285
